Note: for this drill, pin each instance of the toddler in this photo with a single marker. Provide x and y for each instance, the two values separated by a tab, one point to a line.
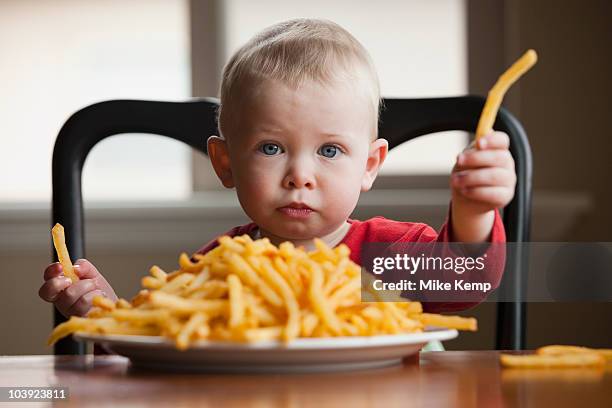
298	125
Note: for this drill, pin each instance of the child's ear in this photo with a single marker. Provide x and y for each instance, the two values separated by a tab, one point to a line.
376	157
219	157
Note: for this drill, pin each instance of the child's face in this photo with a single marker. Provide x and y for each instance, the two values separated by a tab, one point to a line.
309	147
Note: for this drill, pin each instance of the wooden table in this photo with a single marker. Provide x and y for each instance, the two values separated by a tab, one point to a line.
438	379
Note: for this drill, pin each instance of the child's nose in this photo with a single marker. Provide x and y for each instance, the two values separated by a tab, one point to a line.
299	177
299	184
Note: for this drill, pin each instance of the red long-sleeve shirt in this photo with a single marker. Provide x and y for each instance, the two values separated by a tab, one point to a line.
380	229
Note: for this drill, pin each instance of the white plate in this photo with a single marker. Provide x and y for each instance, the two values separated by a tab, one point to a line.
300	355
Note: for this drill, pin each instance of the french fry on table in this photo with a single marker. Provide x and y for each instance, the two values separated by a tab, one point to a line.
559	356
559	349
553	361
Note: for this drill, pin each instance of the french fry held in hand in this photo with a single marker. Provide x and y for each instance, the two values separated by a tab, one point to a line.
246	291
59	242
558	356
496	94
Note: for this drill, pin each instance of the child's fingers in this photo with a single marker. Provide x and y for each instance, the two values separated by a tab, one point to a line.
493	196
71	294
53	287
487	176
85	269
84	303
52	271
484	158
494	140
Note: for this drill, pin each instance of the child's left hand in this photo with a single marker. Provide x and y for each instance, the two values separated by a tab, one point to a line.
483	177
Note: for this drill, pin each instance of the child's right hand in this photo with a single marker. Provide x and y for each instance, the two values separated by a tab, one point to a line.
74	299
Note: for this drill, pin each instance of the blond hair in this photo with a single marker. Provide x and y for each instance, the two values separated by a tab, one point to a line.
296	51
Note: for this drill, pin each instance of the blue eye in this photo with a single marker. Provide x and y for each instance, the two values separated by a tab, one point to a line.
269	149
329	151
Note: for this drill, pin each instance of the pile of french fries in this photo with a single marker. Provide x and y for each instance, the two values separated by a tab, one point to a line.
247	291
559	356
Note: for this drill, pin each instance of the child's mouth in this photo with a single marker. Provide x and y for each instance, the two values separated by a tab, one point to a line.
301	211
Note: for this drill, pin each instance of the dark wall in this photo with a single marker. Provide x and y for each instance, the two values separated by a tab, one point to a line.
564	105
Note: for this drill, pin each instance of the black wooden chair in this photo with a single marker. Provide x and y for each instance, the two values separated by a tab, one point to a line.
193	121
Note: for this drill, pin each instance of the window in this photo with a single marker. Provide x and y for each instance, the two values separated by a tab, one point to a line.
58	57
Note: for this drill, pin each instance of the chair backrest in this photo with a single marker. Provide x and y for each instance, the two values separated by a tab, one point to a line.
191	121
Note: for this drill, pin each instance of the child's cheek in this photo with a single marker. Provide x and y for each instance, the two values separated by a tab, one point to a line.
344	188
255	183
